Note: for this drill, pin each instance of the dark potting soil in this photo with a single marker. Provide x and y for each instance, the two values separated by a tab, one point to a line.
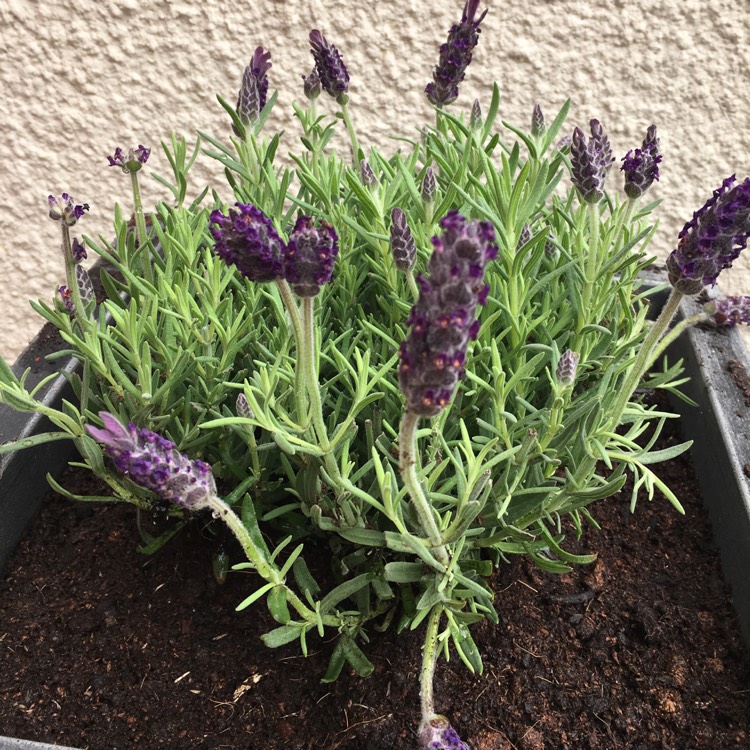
102	648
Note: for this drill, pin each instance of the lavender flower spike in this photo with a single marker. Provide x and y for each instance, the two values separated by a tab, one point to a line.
132	161
310	255
588	167
712	239
729	311
246	238
641	166
438	734
443	320
538	125
567	368
254	88
65	209
332	72
311	85
402	242
155	464
601	145
455	56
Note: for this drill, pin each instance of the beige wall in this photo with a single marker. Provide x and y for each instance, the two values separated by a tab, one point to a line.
75	84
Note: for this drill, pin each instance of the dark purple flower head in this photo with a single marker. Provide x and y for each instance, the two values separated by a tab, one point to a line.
712	239
65	209
641	166
311	85
254	87
729	311
66	297
246	237
310	255
330	67
438	734
588	164
78	251
402	242
455	56
443	320
538	125
131	161
154	463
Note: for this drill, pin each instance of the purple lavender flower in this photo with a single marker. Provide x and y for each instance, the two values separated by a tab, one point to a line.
65	209
729	311
588	165
538	125
66	297
567	367
330	67
130	162
601	145
402	242
455	56
254	88
438	734
641	166
78	251
443	320
712	239
246	238
154	463
310	255
311	85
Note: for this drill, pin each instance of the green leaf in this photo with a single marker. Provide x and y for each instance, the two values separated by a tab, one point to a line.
254	598
277	605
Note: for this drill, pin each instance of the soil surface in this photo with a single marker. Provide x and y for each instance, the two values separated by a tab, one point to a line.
102	648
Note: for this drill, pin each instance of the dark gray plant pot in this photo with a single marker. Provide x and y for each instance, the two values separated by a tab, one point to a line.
716	362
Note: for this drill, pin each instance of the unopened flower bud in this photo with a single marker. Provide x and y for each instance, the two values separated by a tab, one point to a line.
524	236
254	88
429	185
538	125
243	407
85	287
567	368
402	242
366	174
475	123
311	85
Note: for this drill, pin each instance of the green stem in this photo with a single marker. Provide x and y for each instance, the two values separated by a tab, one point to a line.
299	383
674	334
645	353
429	661
352	134
408	465
141	234
79	311
413	288
258	561
309	361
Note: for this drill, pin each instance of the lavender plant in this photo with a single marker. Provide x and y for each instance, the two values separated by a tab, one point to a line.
428	357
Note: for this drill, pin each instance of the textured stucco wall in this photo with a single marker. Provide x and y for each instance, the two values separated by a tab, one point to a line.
76	83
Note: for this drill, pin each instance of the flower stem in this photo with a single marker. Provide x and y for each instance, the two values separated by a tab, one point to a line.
141	234
429	661
299	382
408	462
645	353
352	134
79	311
